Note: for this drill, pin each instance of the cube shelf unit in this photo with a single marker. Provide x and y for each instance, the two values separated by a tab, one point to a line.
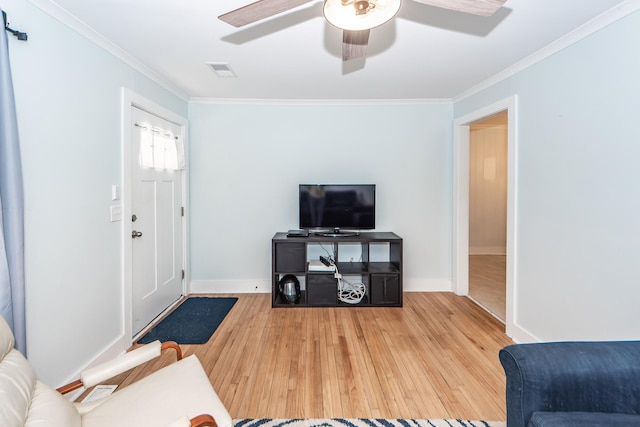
371	258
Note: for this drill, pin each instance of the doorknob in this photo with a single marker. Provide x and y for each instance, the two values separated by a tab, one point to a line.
135	234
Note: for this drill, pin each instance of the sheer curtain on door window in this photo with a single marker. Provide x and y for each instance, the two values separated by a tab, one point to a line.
160	149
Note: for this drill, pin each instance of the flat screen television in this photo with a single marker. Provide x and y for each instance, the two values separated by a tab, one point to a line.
337	207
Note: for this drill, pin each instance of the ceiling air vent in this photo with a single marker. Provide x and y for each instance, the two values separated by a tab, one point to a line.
222	69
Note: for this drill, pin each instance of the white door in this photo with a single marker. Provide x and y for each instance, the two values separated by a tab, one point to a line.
157	227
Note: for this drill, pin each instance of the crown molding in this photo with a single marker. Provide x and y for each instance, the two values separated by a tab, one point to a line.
239	101
58	12
599	22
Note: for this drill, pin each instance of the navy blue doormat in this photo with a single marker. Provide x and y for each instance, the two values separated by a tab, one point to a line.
193	322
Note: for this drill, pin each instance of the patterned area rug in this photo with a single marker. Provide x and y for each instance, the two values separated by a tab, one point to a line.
361	422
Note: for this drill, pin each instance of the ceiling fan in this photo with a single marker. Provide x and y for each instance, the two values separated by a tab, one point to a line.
355	17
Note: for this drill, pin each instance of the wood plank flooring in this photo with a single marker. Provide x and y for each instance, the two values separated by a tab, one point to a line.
487	282
436	357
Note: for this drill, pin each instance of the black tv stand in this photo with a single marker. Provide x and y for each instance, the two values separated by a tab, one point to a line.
371	258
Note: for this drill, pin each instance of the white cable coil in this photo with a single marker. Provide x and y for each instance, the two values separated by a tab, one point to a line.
350	293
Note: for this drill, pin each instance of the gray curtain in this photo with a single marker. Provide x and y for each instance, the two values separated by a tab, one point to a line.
12	303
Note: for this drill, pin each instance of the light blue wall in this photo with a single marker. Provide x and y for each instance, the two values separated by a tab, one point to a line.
578	207
247	162
68	96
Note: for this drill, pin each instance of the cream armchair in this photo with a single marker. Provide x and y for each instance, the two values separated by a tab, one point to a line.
175	396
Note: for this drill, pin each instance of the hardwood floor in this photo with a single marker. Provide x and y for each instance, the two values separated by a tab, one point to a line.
436	357
487	282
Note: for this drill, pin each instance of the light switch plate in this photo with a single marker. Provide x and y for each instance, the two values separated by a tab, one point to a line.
115	213
115	192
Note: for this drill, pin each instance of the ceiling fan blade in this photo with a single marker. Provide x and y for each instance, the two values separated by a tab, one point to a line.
354	44
474	7
258	10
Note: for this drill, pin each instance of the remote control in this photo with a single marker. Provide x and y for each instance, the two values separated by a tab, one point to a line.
325	261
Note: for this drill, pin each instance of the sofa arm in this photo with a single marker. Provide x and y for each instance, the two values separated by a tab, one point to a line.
120	364
571	376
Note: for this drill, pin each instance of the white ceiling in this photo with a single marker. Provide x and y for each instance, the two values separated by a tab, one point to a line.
424	53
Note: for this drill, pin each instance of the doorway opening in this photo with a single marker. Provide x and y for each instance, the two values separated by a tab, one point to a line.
488	161
462	238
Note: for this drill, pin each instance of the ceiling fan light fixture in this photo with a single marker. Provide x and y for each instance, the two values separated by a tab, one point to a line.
362	6
352	18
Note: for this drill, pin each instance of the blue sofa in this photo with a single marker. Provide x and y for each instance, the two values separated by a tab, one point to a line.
572	384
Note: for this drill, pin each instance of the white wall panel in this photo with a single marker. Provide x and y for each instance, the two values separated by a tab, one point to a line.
247	162
68	96
577	208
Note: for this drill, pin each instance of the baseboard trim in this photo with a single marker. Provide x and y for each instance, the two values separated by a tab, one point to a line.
117	347
519	335
247	286
259	286
427	285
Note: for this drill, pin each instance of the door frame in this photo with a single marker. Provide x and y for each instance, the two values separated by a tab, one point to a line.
460	257
130	100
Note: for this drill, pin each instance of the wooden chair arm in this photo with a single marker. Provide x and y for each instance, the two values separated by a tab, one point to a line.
70	387
204	420
174	345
